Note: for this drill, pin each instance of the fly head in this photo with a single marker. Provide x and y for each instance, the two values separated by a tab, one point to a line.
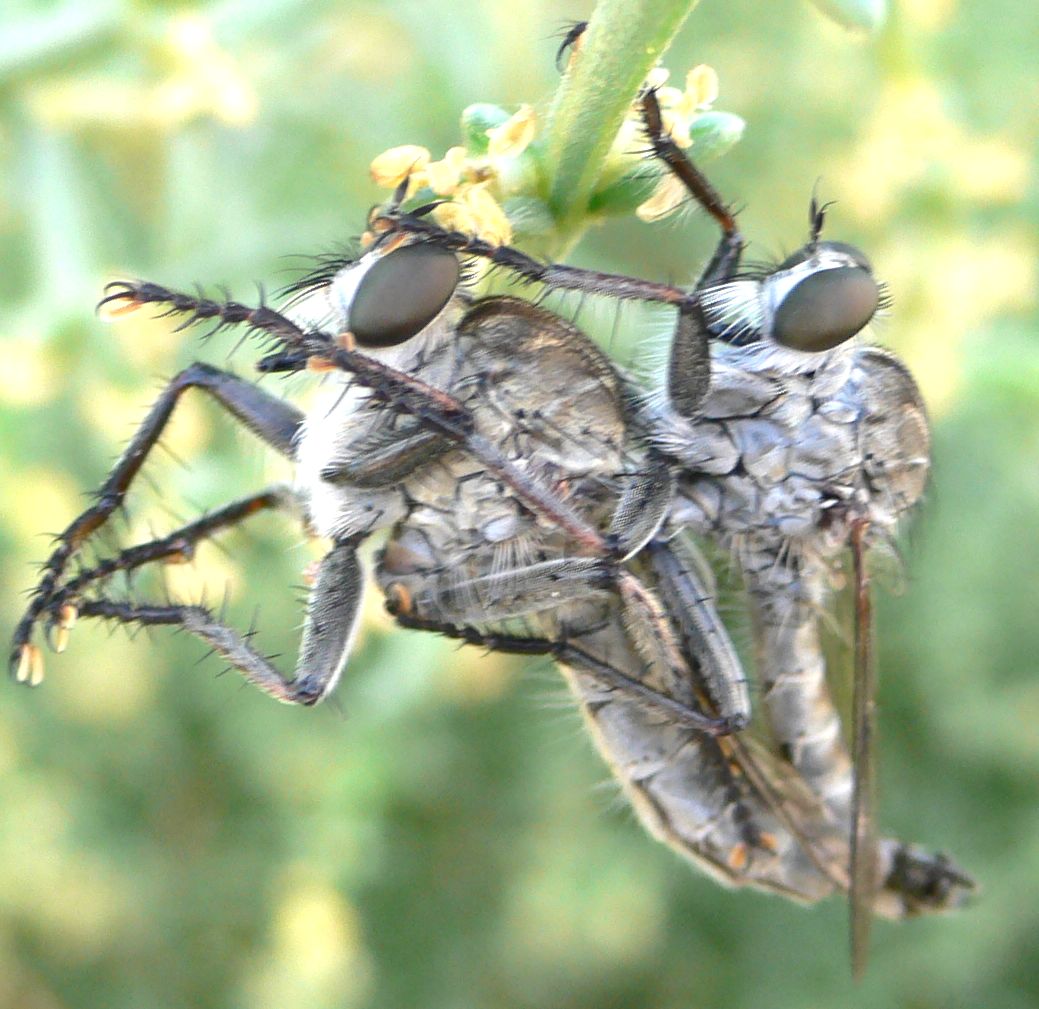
383	298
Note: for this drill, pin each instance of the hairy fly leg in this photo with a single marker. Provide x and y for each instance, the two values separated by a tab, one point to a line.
177	547
689	364
66	603
545	586
569	42
332	607
387	455
567	652
272	420
60	599
332	611
687	592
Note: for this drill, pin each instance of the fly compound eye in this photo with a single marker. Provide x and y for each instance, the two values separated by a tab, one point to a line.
402	294
826	308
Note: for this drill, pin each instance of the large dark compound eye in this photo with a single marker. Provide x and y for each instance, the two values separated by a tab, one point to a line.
826	308
831	303
402	294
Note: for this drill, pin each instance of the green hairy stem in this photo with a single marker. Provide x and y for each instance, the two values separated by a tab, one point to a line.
624	41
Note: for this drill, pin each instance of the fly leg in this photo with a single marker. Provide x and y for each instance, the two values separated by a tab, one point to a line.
65	604
331	620
332	609
686	590
272	420
527	268
688	786
726	258
177	547
682	606
388	455
689	364
725	261
566	652
546	586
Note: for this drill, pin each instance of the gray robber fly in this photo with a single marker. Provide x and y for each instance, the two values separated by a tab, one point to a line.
793	447
515	522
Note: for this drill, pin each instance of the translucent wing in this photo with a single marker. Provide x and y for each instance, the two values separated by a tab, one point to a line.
863	868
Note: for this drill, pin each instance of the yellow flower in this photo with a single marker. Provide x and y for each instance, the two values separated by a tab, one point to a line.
701	87
392	167
476	212
443	176
511	138
474	184
669	195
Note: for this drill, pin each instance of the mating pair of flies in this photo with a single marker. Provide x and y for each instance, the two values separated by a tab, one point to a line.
539	502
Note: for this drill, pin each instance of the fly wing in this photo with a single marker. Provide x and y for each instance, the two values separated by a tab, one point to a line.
863	867
896	448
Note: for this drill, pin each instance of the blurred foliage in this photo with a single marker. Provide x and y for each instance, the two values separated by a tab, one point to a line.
169	839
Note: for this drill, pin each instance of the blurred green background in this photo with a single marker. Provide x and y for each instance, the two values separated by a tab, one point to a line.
447	839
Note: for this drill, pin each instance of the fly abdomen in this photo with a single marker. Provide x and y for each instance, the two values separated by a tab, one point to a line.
687	795
792	669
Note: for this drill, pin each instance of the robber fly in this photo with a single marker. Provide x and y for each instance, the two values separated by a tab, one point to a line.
791	447
510	525
515	521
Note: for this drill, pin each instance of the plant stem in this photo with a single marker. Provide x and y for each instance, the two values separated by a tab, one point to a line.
623	42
